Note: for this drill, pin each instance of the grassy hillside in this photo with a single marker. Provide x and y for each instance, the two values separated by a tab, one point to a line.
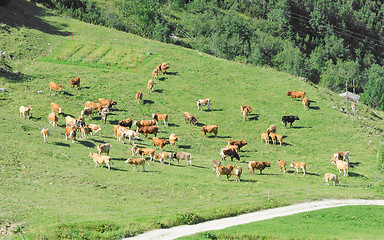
41	182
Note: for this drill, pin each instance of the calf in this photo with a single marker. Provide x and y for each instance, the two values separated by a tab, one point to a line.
148	130
209	129
24	111
265	137
144	123
100	159
139	97
190	118
298	165
258	165
126	122
146	151
75	82
70	121
150	85
53	119
203	102
296	94
164	67
132	135
173	139
104	115
289	119
159	142
95	128
55	87
45	132
331	177
183	155
341	165
215	164
85	131
135	162
276	137
155	73
272	129
158	117
245	113
106	103
103	148
70	132
224	171
86	112
117	129
242	107
238	171
164	155
224	152
55	107
282	165
306	103
239	143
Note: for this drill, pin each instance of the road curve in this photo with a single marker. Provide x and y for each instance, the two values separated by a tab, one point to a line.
185	230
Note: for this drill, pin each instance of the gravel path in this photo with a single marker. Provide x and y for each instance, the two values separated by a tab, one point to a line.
185	230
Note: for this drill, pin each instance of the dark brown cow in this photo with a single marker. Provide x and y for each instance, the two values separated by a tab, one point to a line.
148	130
239	144
258	165
229	152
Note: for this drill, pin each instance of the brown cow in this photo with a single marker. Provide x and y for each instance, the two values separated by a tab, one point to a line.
53	119
189	117
242	107
145	151
298	165
75	81
70	132
106	103
224	171
126	122
85	131
155	73
164	67
296	94
148	130
238	171
209	129
265	137
55	107
159	116
258	165
144	123
139	97
136	161
282	165
239	143
94	106
150	85
224	152
55	87
159	142
277	137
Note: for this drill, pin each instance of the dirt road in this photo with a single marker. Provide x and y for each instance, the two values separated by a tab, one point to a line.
185	230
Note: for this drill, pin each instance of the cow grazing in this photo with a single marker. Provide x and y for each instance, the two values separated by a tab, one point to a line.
265	137
164	155
86	112
159	142
296	94
209	129
164	67
173	139
55	107
148	130
106	103
238	171
95	128
100	159
126	122
203	102
24	111
146	151
103	148
225	152
53	119
224	171
155	73
190	118
183	156
94	106
134	149
45	132
135	162
55	87
245	113
242	107
276	137
289	119
341	156
70	121
306	103
150	85
70	132
139	97
158	117
75	82
272	129
215	164
298	165
239	143
282	165
258	165
85	131
331	177
341	165
144	123
132	135
104	115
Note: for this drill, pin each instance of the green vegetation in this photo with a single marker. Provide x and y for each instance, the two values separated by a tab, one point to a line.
40	182
350	222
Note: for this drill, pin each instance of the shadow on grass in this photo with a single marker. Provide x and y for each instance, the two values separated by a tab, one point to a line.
352	174
114	122
249	180
197	166
352	165
87	144
299	127
173	73
314	108
99	141
67	93
117	169
162	79
199	124
311	174
253	117
35	118
158	91
173	125
61	144
213	110
148	101
184	146
118	159
222	136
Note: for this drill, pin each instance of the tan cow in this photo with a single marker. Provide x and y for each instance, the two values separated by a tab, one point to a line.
215	164
106	103
70	132
298	165
331	177
70	121
94	106
150	85
282	165
296	94
164	155
245	113
209	129
238	143
45	132
306	103
75	82
258	165
85	131
190	118
242	107
100	159
144	123
103	148
183	155
224	171
159	142
265	137
135	162
238	171
276	137
139	97
126	122
55	107
95	128
155	73
164	67
173	139
341	165
159	116
55	87
53	119
146	151
24	111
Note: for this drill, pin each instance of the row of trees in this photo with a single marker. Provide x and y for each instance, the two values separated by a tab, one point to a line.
328	42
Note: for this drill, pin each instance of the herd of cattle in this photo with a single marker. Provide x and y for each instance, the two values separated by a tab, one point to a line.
145	127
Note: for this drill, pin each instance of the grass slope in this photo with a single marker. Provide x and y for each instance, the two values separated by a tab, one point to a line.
39	181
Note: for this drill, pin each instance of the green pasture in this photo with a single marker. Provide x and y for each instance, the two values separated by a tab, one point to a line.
349	222
40	182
